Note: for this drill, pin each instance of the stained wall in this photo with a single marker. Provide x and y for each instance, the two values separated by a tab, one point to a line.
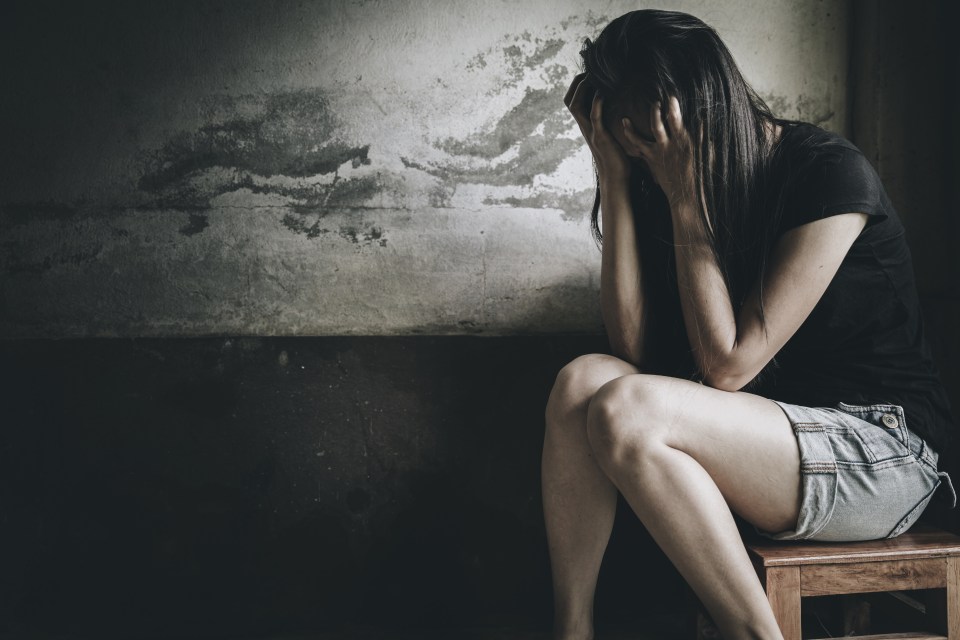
326	168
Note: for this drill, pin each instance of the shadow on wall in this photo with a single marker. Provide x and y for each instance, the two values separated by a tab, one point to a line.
226	486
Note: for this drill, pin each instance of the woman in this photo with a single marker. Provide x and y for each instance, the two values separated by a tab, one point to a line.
768	358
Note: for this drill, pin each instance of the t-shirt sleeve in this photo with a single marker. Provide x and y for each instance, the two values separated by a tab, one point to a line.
839	179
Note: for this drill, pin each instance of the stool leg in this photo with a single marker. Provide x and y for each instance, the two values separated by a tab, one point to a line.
856	615
953	598
783	592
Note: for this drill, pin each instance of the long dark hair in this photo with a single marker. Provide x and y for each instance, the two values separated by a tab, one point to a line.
649	55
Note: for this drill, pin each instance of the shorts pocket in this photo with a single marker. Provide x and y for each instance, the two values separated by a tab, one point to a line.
910	519
881	428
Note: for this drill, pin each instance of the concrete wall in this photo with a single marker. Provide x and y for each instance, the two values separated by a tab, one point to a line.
343	167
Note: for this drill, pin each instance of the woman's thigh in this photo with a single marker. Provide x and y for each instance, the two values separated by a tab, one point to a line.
745	442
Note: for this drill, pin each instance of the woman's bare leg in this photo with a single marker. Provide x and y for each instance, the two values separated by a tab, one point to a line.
579	501
684	455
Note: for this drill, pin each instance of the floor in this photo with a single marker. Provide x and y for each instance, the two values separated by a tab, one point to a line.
668	628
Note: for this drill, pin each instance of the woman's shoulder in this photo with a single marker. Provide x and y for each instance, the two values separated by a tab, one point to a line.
820	173
806	155
807	139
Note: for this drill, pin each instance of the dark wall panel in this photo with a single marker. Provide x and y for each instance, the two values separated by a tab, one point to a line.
227	486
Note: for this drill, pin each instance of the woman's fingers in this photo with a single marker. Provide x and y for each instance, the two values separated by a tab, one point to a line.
600	133
674	117
638	145
577	79
609	155
656	124
596	113
578	106
633	136
587	109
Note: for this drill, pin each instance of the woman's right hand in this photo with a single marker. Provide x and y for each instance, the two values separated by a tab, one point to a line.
613	165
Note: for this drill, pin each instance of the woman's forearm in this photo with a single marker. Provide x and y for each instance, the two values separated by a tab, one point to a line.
707	310
621	298
621	282
730	347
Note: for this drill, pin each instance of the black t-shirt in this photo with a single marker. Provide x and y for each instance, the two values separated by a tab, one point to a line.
863	343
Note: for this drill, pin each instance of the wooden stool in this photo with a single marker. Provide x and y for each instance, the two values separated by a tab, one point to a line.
922	558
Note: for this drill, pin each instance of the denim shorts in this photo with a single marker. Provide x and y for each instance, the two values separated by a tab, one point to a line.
864	474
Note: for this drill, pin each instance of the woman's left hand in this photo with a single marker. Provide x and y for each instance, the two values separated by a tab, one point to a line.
669	155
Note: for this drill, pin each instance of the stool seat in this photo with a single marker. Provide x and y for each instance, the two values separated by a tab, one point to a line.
922	558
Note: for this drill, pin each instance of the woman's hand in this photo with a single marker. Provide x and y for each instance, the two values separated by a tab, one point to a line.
669	155
613	165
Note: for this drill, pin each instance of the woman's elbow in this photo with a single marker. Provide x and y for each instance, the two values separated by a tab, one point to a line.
725	380
730	371
627	350
631	356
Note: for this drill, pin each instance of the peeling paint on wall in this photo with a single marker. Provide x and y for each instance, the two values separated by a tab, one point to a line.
526	145
273	188
372	235
197	224
292	149
281	144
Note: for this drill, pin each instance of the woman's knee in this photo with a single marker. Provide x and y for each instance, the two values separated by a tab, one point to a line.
580	379
628	417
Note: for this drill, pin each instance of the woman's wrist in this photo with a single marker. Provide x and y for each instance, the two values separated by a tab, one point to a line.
683	208
615	201
614	186
687	221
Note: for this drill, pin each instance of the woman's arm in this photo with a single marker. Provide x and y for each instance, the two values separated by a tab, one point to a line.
732	349
621	282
